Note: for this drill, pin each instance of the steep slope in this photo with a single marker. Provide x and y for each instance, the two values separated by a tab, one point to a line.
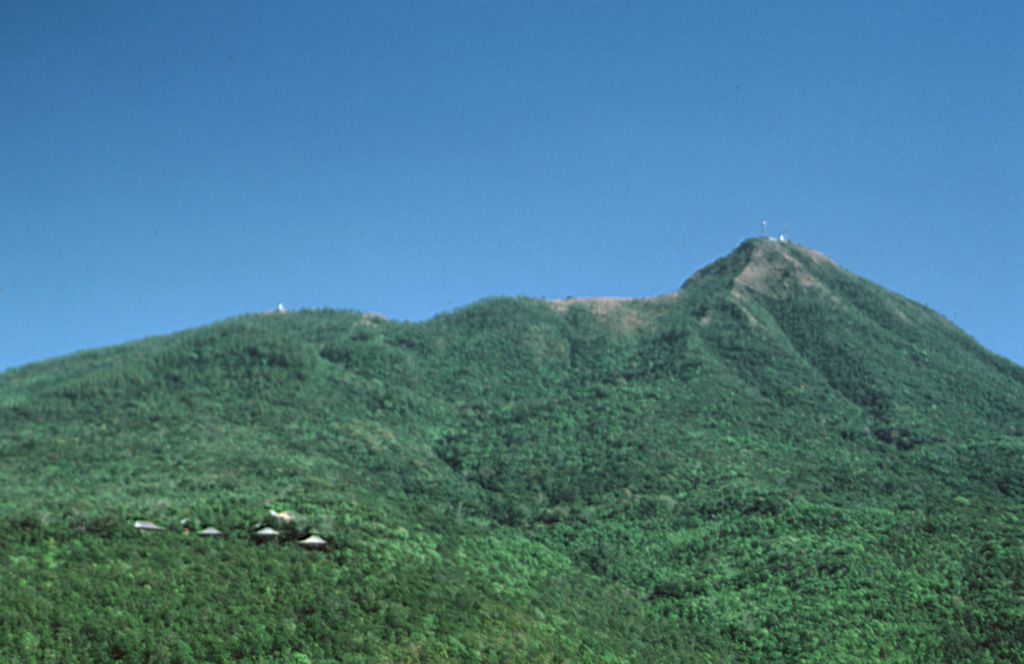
779	461
907	372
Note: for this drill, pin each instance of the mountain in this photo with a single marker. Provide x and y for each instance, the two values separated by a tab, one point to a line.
779	461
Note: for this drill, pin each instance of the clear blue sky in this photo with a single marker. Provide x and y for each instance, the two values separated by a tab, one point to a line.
164	165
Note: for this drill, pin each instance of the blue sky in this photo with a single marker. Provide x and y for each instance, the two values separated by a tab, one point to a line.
168	164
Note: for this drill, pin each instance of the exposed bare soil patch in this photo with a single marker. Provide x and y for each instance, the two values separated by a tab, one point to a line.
625	314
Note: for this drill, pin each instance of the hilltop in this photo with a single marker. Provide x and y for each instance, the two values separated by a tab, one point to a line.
778	461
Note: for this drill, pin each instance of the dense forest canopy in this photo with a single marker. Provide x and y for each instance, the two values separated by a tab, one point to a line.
778	462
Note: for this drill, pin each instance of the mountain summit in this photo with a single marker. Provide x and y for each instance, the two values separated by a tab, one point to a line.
767	265
779	461
786	317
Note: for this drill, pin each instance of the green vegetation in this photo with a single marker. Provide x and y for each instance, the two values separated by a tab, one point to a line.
780	462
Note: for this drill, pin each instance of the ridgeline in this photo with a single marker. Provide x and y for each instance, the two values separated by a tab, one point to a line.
778	462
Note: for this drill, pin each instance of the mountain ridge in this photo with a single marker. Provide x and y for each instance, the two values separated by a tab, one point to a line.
779	461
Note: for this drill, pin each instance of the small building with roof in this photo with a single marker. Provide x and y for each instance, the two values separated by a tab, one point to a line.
313	542
147	527
210	531
265	534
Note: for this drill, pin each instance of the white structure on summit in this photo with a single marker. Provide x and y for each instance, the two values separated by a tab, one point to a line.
279	309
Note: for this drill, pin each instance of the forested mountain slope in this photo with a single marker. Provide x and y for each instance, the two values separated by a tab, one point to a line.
780	461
